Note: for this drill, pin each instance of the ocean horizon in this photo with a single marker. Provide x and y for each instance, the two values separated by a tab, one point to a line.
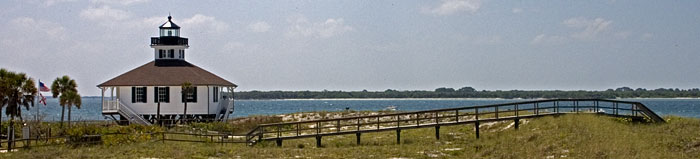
92	110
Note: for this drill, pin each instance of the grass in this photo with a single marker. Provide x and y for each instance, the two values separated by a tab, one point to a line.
571	136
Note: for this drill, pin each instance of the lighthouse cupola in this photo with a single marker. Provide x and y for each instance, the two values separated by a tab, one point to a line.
169	28
169	45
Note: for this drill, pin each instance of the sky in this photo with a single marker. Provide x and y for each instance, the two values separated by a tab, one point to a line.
366	45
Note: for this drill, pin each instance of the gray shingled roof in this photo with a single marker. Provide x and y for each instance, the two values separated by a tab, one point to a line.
167	73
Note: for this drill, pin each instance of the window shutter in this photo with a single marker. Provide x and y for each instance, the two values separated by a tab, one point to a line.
167	94
155	95
215	98
133	94
194	94
144	95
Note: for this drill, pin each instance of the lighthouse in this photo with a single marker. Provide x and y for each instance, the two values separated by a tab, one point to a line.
169	45
153	92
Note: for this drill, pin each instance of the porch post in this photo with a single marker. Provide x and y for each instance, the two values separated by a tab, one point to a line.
102	90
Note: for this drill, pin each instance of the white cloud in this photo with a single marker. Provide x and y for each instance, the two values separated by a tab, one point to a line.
448	7
584	29
328	28
622	34
105	14
548	39
205	23
517	10
259	27
591	27
52	2
39	28
121	2
647	36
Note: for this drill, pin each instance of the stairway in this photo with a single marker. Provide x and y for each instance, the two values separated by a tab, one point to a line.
131	115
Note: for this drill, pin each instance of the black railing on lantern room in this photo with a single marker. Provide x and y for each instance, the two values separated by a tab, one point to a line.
169	40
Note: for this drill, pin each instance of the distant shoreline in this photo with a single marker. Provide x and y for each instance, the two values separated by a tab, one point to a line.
471	93
304	99
679	98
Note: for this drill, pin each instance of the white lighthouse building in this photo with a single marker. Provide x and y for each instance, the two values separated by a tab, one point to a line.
154	90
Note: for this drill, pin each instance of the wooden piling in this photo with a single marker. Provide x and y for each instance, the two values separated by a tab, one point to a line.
398	136
318	141
476	127
437	132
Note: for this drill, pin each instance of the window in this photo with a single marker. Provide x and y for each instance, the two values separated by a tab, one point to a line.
171	53
216	94
162	94
138	95
161	53
191	96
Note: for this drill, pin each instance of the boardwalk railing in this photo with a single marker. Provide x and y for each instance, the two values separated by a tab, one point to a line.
443	117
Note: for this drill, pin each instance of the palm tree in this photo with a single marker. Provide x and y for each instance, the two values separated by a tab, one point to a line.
18	90
61	86
186	90
71	98
3	89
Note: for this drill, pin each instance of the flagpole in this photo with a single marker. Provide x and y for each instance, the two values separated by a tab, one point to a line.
37	108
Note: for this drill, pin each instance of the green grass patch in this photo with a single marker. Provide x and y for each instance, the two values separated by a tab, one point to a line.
571	136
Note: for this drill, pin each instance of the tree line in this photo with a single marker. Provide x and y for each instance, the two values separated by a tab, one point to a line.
470	92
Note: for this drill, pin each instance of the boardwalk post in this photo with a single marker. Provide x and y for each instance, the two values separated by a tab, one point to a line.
476	127
457	116
398	136
595	107
437	132
496	112
262	131
358	137
279	142
516	123
318	141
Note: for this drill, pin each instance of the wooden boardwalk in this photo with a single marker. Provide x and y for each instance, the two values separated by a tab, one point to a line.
445	117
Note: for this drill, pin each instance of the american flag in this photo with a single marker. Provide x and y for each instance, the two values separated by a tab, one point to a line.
43	87
42	100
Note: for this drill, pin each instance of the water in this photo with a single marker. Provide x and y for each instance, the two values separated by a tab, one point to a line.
91	109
